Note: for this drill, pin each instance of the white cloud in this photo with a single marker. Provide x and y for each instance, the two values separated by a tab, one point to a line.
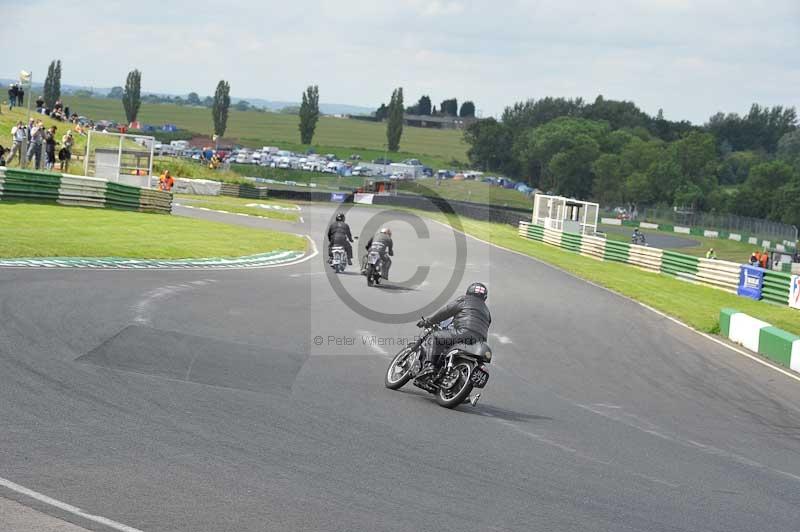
689	57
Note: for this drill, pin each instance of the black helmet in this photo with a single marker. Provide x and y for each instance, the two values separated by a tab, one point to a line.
479	290
340	217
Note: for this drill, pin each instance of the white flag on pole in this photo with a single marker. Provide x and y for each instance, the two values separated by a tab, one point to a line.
24	77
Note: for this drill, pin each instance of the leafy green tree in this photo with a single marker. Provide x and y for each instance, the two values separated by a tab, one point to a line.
449	107
309	114
52	84
208	101
618	114
193	99
608	187
789	148
569	172
382	113
735	167
535	148
424	106
242	105
394	125
639	189
116	93
219	110
132	96
490	146
467	109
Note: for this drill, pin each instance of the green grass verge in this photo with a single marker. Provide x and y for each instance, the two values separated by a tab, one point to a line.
725	249
226	203
695	305
37	230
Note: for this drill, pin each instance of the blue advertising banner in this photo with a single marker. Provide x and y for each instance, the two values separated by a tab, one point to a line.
751	282
338	196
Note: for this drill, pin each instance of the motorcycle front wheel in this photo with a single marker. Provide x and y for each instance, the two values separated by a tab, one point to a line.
399	372
461	387
370	273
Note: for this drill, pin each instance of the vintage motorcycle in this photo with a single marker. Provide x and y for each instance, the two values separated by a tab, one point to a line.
463	369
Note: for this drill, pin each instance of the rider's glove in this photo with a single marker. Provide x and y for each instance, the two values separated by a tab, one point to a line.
423	323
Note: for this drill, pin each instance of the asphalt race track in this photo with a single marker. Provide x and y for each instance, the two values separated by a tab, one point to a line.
655	239
199	401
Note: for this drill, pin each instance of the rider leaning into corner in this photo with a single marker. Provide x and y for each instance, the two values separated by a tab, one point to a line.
382	243
471	320
339	235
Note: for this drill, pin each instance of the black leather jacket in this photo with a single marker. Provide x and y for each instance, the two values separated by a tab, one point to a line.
469	313
386	240
339	229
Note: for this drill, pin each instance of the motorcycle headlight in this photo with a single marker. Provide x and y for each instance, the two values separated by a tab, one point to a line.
488	355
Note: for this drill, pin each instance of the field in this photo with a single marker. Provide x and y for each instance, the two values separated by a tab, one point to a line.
437	148
36	230
695	305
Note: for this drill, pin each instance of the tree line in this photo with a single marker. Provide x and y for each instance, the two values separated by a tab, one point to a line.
424	107
613	152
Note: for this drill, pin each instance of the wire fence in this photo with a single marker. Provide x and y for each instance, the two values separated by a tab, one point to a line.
774	231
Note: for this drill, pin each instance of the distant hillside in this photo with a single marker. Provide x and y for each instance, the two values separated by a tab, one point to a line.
326	108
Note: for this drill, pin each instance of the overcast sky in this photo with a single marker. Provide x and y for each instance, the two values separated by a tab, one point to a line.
689	57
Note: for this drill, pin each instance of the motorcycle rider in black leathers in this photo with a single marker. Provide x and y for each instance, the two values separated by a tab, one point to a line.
339	235
471	320
383	244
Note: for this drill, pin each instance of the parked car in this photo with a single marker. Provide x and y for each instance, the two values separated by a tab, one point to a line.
382	160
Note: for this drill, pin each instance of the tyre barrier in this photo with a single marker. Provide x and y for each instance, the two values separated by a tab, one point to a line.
720	274
78	191
243	191
775	344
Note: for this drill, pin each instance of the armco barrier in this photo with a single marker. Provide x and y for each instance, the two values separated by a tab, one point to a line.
66	189
775	344
720	274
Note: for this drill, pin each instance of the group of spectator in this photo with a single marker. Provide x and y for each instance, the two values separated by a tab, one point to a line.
36	143
759	258
58	112
16	94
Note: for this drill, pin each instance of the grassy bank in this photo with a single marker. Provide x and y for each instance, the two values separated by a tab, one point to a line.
240	205
695	305
35	230
256	129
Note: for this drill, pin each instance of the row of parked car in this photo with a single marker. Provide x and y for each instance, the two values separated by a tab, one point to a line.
274	157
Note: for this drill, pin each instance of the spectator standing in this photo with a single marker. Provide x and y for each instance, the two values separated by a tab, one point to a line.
166	182
12	96
35	146
65	153
39	104
763	260
20	95
710	254
50	148
2	155
19	135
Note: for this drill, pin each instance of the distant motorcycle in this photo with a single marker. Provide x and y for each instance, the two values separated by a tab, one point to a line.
462	371
338	259
639	239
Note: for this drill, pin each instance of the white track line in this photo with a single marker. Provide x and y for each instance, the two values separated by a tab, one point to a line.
648	307
74	510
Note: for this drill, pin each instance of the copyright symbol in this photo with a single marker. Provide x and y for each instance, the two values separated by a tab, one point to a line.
318	340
